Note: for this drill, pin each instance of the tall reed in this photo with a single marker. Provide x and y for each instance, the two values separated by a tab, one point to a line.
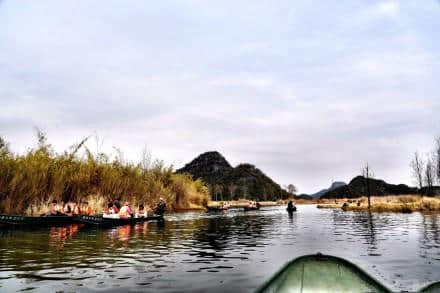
29	181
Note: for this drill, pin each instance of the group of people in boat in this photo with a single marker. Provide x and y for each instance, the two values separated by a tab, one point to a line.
117	211
114	209
69	209
253	205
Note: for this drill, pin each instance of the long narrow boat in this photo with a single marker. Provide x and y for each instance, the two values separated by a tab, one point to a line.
321	273
251	209
101	221
17	220
216	209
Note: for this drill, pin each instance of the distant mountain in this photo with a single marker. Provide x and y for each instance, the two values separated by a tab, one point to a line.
226	182
334	185
303	196
358	187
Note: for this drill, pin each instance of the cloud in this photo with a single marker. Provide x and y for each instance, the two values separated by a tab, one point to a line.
306	95
389	8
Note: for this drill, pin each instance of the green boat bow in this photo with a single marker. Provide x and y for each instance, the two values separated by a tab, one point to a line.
322	273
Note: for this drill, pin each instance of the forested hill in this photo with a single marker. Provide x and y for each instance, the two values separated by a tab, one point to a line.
226	182
358	187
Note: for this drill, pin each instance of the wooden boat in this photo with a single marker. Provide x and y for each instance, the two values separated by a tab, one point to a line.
322	273
251	209
216	209
101	221
17	220
431	288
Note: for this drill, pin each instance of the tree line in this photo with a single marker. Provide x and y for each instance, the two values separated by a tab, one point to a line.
426	169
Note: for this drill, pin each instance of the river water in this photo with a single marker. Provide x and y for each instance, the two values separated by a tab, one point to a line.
218	252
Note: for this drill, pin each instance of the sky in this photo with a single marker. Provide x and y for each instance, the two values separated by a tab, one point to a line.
308	91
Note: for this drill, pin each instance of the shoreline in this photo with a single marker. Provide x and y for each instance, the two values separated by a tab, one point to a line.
391	203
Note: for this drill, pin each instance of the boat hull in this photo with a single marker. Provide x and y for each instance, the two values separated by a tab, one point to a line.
322	273
216	209
251	209
16	220
101	221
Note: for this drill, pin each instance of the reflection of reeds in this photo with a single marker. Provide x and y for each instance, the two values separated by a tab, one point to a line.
395	203
29	181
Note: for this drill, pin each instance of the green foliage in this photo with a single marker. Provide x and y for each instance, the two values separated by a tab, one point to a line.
41	175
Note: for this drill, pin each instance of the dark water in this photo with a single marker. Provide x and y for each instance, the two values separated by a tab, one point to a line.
233	252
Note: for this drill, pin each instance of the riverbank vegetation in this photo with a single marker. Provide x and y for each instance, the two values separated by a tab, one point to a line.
29	181
398	204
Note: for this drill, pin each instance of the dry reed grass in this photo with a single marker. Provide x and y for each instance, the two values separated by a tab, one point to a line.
28	182
395	203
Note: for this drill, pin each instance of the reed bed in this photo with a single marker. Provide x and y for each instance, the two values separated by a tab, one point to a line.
395	203
29	181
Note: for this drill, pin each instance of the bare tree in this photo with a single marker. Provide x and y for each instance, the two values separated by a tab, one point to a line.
4	147
43	146
146	160
437	158
219	191
429	175
119	155
245	191
417	167
367	174
291	189
232	188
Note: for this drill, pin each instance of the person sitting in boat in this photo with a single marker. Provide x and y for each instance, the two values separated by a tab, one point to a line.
125	211
160	207
257	205
65	209
87	210
54	209
111	211
117	205
76	209
141	212
290	205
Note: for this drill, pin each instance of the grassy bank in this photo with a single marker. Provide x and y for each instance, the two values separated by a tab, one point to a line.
398	204
241	203
29	181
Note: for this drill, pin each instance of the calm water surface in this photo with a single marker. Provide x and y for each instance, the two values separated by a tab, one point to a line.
232	252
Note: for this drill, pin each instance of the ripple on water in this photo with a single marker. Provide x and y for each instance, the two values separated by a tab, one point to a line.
211	252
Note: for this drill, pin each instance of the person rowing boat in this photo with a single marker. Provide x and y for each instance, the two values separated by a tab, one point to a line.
291	207
160	207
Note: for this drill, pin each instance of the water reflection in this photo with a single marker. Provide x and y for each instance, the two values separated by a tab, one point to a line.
59	235
231	251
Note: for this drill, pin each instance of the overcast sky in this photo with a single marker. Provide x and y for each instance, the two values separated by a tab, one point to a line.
308	91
